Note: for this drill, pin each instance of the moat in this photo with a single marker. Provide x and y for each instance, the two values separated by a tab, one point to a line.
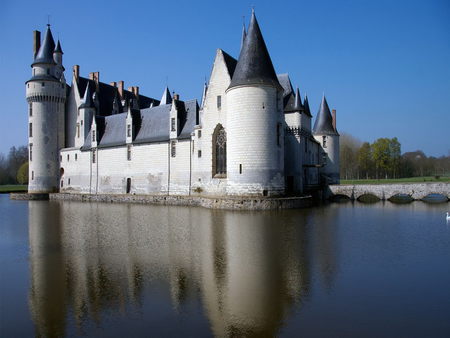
112	270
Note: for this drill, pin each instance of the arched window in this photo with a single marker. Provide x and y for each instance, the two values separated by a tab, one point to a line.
219	152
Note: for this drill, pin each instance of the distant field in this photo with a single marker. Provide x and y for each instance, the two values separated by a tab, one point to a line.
427	179
13	188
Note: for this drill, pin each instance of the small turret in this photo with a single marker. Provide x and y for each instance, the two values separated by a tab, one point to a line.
86	112
325	133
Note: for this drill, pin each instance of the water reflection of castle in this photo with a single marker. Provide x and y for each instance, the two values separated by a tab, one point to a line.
248	269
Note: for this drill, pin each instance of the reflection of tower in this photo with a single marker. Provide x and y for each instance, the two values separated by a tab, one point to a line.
252	271
48	287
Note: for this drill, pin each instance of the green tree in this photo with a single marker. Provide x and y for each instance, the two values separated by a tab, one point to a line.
381	156
364	158
22	174
394	156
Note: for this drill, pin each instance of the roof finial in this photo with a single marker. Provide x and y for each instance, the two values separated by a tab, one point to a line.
253	9
48	20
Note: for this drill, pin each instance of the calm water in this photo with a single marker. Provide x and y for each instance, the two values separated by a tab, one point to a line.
117	270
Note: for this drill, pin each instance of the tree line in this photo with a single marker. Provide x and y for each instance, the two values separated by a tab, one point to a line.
383	159
14	166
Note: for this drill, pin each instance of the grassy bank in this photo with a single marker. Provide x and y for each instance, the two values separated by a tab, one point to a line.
13	188
424	179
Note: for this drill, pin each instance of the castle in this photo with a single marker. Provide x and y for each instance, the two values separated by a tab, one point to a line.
250	135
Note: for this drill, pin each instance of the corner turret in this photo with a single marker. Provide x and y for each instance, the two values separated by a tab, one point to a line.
255	149
46	95
325	133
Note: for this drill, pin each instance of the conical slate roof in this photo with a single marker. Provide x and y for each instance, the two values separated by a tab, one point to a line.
45	53
254	66
324	121
244	34
298	100
166	97
306	106
58	48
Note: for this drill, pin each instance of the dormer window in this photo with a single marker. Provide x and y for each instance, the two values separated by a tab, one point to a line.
48	71
172	124
324	141
93	136
128	130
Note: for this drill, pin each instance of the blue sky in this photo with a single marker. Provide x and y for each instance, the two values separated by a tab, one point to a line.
384	65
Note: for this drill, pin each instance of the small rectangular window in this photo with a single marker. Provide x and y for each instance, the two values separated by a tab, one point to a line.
173	149
129	153
43	84
78	130
31	129
278	134
48	71
324	141
93	155
31	152
240	168
199	134
68	157
76	157
128	130
30	109
32	175
219	101
68	181
93	136
199	153
172	124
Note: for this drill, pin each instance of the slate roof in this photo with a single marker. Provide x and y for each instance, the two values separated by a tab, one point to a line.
230	63
254	66
106	94
324	121
155	124
43	77
87	98
191	119
58	48
45	53
114	133
306	106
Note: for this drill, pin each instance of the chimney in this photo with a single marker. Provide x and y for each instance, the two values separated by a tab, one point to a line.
136	91
176	97
121	89
114	84
333	114
36	42
76	72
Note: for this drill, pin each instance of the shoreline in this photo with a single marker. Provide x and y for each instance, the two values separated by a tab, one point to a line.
210	202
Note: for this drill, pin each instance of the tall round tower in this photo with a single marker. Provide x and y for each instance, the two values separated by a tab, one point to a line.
255	149
46	95
326	134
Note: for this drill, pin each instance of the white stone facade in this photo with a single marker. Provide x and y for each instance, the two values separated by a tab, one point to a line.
244	142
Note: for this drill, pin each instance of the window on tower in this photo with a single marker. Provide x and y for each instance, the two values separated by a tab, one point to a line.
31	152
31	129
219	101
30	109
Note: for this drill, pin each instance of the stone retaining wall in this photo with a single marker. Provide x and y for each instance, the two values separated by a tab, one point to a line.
240	203
29	197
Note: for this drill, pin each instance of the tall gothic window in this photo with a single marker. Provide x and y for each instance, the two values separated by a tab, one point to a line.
219	152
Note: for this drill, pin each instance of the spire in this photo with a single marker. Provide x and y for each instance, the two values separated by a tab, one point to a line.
87	98
166	98
254	66
244	34
205	89
45	54
58	48
324	121
298	101
306	106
